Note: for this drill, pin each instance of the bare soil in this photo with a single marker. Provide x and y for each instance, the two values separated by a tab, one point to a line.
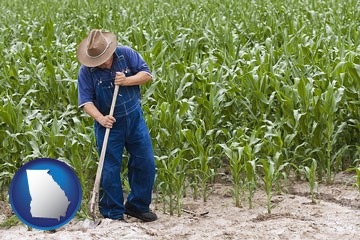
335	215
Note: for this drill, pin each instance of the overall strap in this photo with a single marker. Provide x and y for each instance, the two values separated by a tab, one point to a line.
122	61
126	71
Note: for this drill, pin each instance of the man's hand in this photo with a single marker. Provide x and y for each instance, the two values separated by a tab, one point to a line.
120	79
107	121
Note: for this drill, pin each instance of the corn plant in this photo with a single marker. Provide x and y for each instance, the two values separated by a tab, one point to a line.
171	176
310	173
331	100
268	167
250	169
234	152
200	163
251	149
358	177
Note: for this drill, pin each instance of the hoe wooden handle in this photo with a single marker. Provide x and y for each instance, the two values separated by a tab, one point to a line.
95	192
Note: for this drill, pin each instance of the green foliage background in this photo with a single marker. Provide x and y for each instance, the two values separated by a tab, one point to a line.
237	85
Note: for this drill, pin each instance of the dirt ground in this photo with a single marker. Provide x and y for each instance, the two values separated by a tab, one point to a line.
336	215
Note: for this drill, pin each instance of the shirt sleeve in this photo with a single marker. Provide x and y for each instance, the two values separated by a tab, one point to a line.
86	91
135	61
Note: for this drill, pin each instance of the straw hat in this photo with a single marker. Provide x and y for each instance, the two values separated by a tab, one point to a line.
97	48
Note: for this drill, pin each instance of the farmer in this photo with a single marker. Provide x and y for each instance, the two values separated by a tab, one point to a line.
105	64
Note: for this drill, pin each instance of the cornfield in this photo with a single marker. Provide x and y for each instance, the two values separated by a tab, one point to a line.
251	90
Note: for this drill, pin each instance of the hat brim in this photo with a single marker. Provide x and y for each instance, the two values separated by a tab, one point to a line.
85	60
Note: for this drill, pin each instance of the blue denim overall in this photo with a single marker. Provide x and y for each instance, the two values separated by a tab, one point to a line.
129	131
